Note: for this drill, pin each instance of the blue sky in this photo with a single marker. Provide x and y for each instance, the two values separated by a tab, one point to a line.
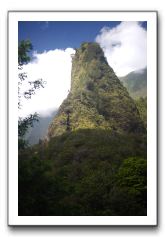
124	45
62	34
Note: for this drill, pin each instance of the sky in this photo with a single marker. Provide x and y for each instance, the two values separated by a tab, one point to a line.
124	45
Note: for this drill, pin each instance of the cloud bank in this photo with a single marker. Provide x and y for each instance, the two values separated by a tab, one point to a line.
54	67
124	46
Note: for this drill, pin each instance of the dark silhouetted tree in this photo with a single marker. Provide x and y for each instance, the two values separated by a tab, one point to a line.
68	128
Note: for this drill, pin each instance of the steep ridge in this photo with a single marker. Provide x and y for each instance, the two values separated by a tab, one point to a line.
95	160
97	98
136	83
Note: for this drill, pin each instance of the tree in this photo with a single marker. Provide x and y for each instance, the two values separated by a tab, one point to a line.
68	128
24	48
141	104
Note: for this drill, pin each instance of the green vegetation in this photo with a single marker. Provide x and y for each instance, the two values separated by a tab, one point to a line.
24	47
86	172
136	83
141	104
39	129
94	161
97	98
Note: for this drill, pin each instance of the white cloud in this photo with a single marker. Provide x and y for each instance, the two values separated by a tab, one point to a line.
125	47
54	67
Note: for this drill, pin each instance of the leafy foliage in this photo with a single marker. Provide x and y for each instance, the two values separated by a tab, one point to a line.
141	104
25	46
23	126
94	163
39	129
87	172
131	184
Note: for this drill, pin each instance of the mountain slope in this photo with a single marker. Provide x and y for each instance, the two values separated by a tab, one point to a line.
136	83
97	98
94	162
39	129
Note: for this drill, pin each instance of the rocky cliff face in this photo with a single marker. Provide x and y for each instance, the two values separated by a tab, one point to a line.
97	98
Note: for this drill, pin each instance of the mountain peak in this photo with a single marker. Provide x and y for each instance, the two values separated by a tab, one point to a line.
86	66
97	98
90	51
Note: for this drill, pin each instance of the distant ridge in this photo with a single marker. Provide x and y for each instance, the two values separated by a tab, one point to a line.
136	83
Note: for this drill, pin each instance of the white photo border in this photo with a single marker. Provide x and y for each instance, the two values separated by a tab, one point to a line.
13	18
